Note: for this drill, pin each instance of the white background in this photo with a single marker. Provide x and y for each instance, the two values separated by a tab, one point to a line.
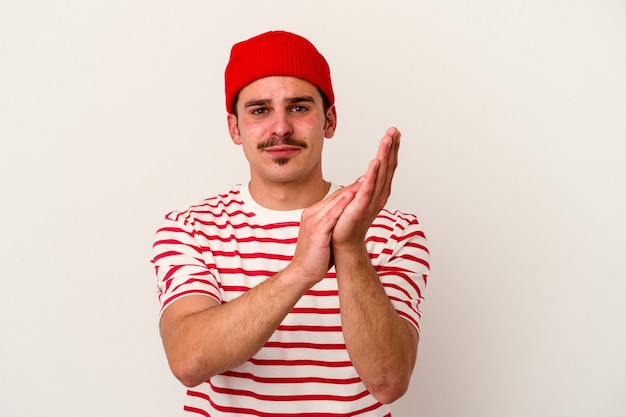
513	116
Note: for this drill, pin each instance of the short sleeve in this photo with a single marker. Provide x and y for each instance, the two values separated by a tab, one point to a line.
403	264
183	267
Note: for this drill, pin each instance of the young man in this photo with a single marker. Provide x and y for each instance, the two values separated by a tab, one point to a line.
289	295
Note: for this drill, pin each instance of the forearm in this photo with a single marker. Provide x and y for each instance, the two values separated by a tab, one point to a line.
212	340
381	345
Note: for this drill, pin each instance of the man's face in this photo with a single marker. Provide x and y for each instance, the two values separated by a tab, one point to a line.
281	125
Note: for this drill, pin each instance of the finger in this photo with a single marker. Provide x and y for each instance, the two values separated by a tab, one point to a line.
376	182
393	149
392	160
326	212
383	145
367	182
387	155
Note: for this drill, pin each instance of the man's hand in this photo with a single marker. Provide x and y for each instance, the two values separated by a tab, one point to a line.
372	191
312	258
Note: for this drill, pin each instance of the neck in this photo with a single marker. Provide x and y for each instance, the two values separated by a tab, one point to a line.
288	195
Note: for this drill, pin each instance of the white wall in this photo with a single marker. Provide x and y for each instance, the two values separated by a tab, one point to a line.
514	129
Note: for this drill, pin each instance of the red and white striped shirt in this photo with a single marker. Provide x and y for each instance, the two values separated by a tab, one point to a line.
227	244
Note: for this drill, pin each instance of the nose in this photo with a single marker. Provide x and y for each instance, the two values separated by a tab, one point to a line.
282	126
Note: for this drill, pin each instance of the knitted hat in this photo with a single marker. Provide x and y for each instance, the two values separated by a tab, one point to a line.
275	53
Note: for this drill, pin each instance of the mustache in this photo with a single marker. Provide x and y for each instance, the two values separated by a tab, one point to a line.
288	141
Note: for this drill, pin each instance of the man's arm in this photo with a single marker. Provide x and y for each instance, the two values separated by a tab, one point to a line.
203	338
381	344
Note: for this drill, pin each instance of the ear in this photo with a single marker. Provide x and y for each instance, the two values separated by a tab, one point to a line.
233	129
331	122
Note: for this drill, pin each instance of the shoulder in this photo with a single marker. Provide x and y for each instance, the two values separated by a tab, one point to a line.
398	221
399	239
220	205
394	232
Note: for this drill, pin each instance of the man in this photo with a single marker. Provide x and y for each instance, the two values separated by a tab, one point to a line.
289	295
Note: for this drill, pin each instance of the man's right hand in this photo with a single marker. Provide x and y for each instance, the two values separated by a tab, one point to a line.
313	258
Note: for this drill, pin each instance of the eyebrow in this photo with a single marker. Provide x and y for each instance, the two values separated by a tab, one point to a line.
254	103
301	99
267	101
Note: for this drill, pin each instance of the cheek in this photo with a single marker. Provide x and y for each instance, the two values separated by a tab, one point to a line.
308	128
252	130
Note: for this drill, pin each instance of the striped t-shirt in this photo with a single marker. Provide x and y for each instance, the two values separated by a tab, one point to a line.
227	244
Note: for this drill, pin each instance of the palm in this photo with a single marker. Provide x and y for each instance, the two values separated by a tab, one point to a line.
373	190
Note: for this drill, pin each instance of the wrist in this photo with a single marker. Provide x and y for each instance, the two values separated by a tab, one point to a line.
350	252
297	279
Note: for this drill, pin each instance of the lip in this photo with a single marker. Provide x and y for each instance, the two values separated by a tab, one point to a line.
283	151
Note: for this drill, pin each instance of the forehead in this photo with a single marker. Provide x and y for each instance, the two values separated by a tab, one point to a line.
279	88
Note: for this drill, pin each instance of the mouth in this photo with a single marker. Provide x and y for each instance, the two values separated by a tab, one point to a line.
281	152
282	149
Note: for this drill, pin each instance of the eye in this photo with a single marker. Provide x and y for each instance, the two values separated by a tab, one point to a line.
259	111
299	109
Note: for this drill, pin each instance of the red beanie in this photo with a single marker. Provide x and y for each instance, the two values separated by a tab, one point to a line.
275	53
